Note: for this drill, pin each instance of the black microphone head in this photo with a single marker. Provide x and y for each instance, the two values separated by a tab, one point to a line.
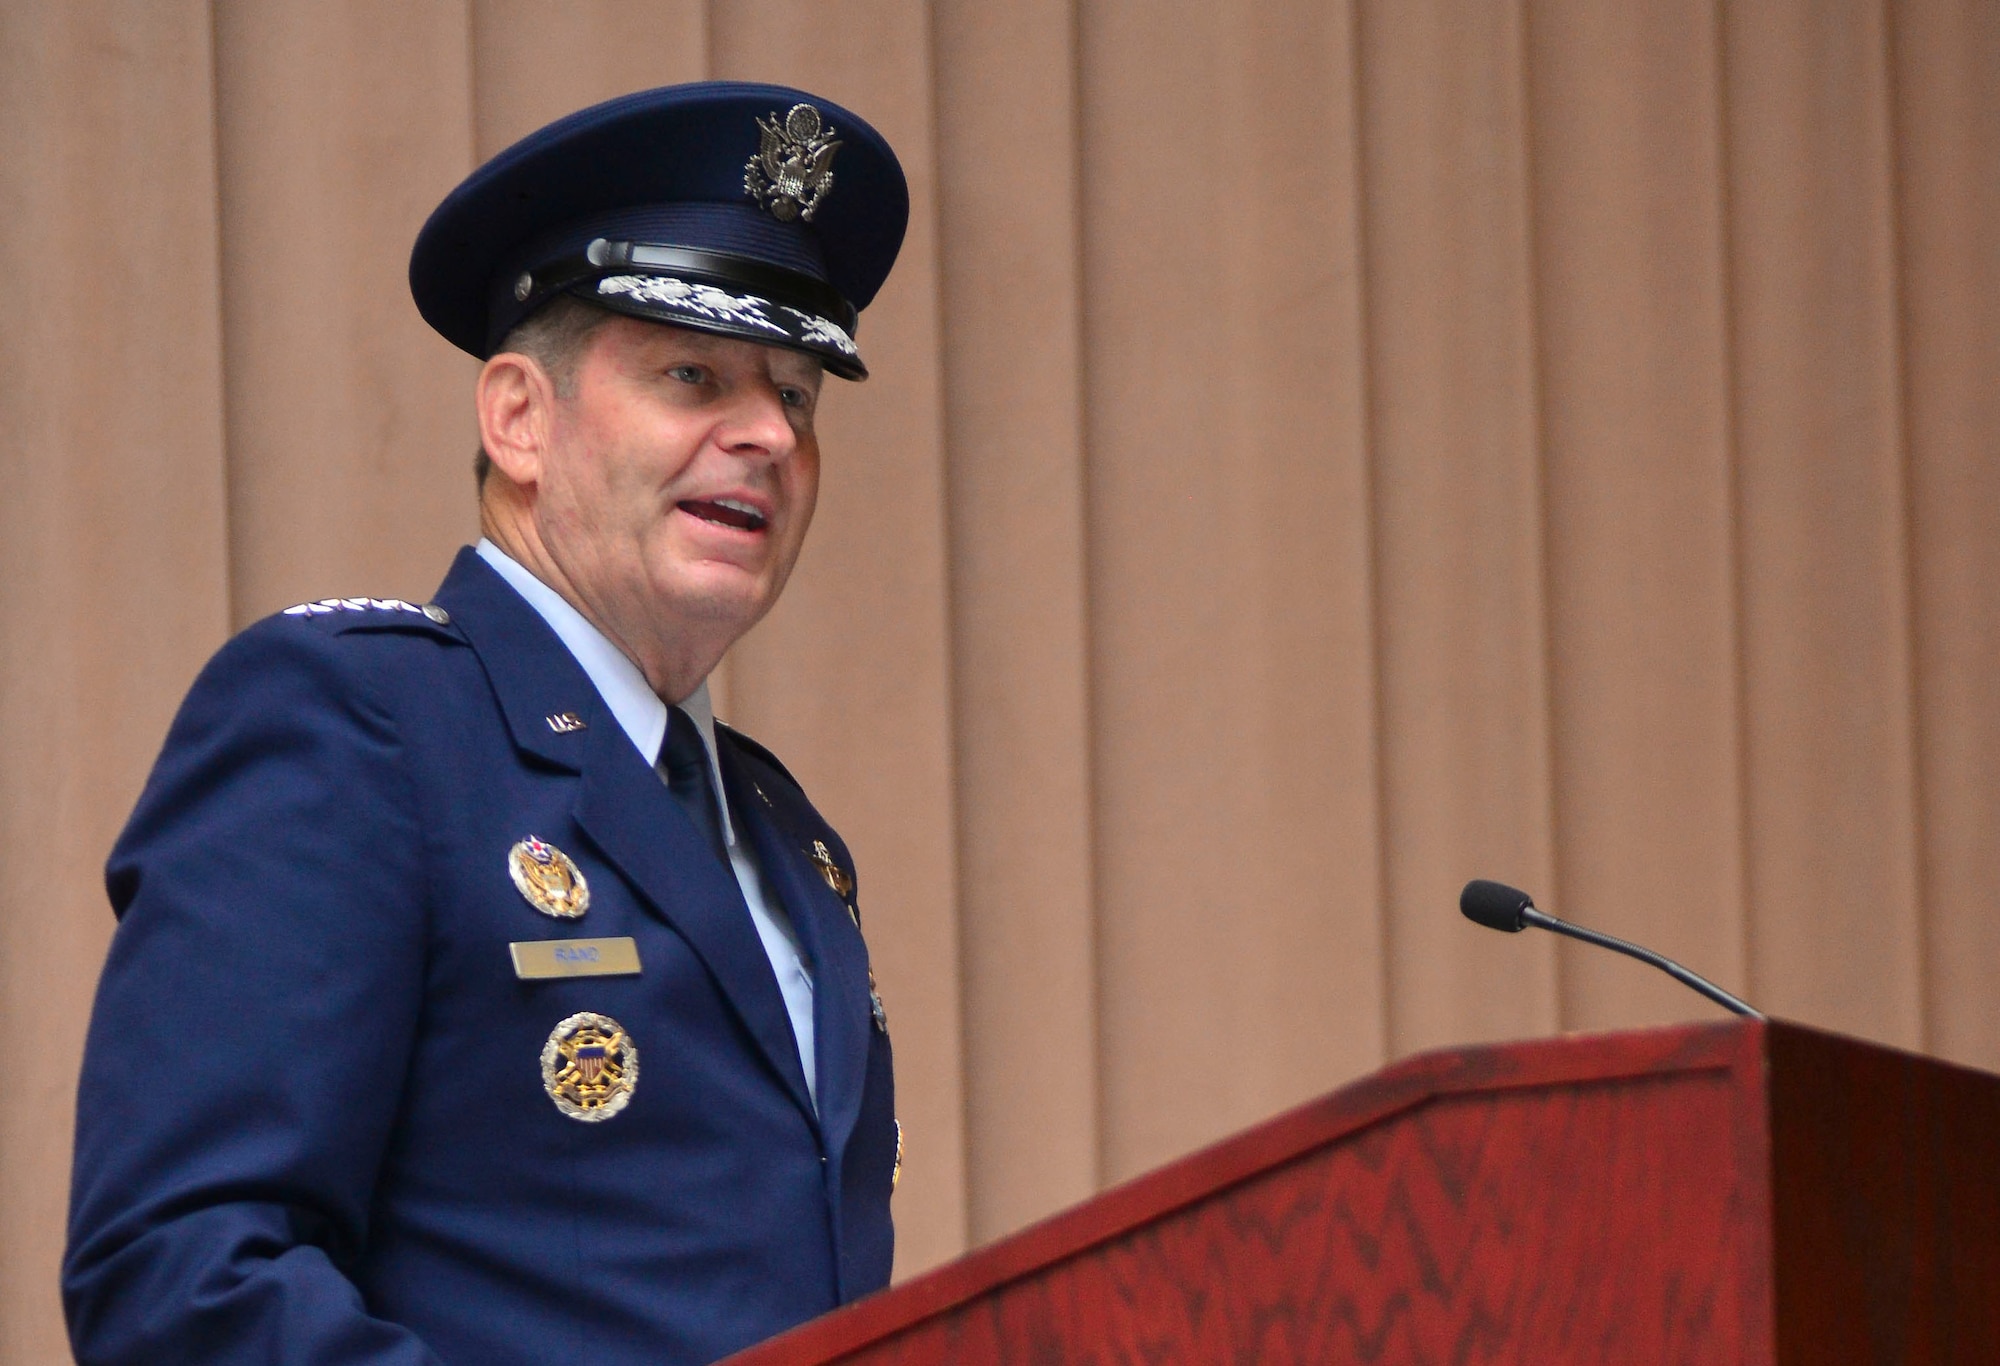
1495	905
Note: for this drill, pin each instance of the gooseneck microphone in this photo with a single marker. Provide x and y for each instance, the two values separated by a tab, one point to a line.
1500	907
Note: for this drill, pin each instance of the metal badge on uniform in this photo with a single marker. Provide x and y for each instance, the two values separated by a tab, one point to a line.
793	167
589	1067
549	879
836	876
540	959
875	1006
896	1172
565	722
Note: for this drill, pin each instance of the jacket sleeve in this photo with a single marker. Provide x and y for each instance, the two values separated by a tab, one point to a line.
254	1022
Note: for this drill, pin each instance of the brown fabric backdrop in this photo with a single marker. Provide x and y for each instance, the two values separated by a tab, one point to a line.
1320	451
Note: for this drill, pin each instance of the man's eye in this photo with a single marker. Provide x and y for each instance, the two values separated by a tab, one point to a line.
795	398
689	374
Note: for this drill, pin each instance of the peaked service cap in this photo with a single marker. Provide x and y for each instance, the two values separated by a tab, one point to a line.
752	211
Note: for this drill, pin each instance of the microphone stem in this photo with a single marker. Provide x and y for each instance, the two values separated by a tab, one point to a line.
1531	916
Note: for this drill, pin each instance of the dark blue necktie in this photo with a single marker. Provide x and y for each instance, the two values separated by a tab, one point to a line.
685	760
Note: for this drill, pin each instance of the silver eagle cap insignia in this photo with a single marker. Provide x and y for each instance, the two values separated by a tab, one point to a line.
793	167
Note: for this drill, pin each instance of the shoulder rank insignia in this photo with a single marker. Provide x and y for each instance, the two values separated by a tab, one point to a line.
589	1067
549	879
429	610
793	167
835	875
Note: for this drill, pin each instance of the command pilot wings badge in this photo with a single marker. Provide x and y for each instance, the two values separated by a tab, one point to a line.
548	878
793	167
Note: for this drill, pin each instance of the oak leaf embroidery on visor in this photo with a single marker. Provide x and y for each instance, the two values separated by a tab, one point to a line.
815	329
706	300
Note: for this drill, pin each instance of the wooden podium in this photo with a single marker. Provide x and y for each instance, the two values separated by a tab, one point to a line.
1738	1192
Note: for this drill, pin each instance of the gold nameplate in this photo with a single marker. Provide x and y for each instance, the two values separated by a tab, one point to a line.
539	958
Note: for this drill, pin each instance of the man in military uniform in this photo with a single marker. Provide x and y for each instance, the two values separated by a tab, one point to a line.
476	997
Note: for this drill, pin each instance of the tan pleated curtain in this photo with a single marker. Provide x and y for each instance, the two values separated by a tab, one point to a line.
1318	452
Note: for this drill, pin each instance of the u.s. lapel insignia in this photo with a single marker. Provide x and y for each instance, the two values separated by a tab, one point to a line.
875	1006
835	875
549	879
565	722
589	1067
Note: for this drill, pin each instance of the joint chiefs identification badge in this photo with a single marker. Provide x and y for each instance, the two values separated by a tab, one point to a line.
549	879
589	1067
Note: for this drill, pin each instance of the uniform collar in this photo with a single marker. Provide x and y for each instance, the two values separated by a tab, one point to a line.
640	712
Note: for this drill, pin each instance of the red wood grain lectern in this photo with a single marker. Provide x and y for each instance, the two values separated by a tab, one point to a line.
1739	1192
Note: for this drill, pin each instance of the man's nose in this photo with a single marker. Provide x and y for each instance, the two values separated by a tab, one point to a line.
759	424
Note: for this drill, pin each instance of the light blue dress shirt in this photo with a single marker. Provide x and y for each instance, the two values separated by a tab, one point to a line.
644	718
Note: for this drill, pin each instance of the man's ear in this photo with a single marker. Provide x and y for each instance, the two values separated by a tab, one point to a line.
515	399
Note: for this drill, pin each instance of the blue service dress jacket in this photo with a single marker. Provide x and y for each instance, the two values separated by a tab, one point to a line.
312	1124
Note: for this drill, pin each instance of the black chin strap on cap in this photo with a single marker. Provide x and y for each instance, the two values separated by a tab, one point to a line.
775	283
533	288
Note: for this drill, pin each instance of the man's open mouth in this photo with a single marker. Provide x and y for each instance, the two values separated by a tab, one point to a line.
724	512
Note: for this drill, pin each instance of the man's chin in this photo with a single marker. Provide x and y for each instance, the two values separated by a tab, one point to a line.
718	595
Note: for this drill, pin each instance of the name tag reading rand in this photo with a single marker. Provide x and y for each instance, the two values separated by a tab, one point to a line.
539	958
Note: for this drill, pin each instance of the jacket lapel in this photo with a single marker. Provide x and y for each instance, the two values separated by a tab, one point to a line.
621	804
636	824
841	1014
534	676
